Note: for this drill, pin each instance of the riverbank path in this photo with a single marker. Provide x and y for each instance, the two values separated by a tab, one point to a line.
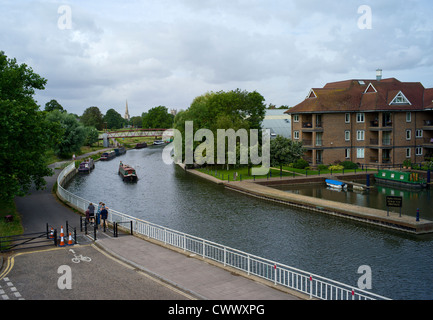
193	275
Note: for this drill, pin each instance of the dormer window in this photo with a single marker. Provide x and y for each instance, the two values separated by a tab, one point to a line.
311	94
370	89
400	99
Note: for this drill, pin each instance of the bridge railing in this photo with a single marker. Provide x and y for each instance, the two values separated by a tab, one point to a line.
312	285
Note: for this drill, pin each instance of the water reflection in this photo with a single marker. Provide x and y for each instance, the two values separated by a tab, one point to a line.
318	243
373	198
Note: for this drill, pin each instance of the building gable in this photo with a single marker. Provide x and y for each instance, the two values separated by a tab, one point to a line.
400	99
370	89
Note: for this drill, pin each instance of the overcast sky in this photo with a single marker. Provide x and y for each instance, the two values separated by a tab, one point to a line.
167	52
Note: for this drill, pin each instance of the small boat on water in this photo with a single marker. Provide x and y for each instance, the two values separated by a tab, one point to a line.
108	155
86	165
119	151
404	179
141	145
127	172
335	184
158	142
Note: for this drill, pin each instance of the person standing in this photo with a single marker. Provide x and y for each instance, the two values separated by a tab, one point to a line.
104	214
98	213
91	212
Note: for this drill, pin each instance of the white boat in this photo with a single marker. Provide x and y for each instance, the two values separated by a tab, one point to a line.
335	184
158	142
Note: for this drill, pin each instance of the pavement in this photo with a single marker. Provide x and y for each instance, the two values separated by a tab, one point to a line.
200	278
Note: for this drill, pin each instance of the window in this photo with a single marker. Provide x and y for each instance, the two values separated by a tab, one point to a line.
408	134
347	135
296	135
400	99
418	151
407	152
360	153
360	117
360	135
296	118
418	133
408	117
347	117
347	153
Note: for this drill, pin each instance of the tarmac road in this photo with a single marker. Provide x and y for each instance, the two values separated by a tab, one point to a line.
52	274
34	274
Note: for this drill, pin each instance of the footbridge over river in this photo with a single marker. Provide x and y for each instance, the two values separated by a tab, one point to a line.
133	133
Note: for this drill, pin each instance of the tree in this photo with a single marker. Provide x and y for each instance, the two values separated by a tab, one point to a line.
53	105
137	121
113	119
92	117
24	132
157	118
91	136
234	109
73	133
284	151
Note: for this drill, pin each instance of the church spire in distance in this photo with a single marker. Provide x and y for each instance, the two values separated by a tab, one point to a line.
126	116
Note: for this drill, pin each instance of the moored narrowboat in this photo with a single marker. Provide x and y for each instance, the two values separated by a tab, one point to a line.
405	179
108	155
86	166
127	172
119	151
141	145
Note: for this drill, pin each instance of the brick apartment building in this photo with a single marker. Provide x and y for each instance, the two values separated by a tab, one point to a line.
381	121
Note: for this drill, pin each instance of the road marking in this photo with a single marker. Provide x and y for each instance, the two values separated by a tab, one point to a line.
168	286
12	288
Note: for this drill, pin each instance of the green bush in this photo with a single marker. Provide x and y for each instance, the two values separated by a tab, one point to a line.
322	167
300	164
336	167
349	165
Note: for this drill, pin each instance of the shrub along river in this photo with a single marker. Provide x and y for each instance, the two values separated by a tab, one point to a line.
331	247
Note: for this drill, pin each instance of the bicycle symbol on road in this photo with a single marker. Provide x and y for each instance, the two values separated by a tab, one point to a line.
79	258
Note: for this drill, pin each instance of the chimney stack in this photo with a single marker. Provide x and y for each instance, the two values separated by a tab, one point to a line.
379	74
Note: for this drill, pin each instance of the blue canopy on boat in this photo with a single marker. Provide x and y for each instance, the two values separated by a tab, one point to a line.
335	182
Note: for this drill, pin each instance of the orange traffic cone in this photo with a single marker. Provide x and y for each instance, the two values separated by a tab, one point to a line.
62	242
70	243
61	232
52	233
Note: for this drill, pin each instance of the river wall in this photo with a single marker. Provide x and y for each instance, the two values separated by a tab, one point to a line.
261	189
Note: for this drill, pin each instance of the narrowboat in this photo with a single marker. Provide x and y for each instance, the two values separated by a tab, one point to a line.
108	155
127	172
141	145
119	151
86	165
335	184
404	179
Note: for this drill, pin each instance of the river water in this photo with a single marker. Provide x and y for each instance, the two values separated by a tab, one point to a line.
401	264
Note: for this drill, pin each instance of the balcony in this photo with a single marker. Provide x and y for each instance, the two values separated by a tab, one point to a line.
385	142
428	142
428	125
308	126
384	160
309	143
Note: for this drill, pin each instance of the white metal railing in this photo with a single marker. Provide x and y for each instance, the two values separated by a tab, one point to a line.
310	284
